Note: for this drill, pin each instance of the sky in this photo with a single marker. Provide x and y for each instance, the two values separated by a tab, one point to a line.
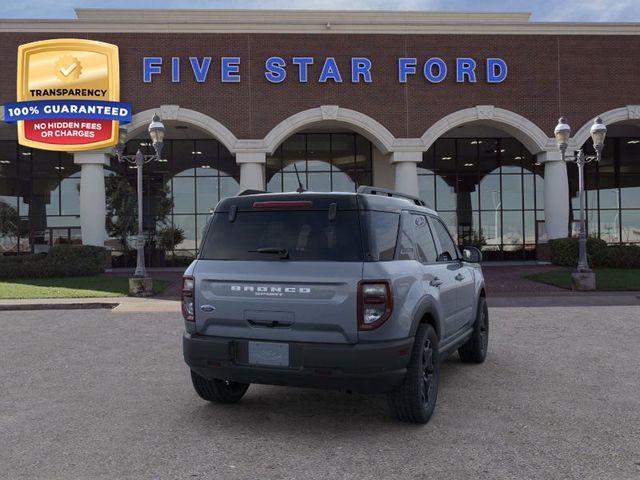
542	10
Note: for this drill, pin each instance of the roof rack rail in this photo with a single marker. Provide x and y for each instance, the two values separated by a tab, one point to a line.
249	191
390	193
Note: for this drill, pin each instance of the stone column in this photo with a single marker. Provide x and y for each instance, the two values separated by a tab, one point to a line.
251	170
406	167
556	194
92	195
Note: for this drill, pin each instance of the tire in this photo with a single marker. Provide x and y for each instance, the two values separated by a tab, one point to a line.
415	400
218	391
475	350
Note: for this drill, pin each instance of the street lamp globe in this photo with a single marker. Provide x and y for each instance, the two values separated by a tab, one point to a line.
598	132
562	133
156	133
122	139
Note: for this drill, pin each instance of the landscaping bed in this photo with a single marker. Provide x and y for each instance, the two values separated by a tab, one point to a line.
607	279
71	287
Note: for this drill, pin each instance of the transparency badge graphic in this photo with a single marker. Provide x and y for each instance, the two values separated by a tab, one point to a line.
68	95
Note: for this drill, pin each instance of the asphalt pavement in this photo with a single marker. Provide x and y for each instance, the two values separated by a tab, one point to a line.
104	394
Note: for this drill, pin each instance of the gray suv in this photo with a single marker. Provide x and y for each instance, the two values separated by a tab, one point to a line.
363	292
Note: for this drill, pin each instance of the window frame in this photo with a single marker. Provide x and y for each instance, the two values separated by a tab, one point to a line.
436	238
426	216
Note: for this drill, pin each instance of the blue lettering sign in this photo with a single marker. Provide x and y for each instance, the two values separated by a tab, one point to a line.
465	67
406	66
330	71
303	64
200	71
428	70
496	70
360	67
434	69
275	69
175	69
230	69
151	66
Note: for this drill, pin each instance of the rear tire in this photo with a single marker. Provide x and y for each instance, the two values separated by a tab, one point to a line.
415	400
218	391
475	350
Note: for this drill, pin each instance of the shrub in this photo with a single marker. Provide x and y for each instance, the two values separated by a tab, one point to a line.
564	252
61	261
618	256
169	237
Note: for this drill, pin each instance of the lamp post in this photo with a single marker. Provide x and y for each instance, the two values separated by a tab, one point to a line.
562	133
156	133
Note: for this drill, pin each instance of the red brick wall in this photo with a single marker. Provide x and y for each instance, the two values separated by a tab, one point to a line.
578	76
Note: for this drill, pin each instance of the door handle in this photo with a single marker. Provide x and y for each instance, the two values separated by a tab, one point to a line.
459	277
436	282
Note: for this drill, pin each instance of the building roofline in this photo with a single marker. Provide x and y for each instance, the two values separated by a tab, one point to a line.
310	21
285	15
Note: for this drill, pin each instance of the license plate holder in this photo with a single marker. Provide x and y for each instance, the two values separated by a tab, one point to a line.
270	354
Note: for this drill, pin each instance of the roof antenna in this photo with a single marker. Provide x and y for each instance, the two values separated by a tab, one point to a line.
300	188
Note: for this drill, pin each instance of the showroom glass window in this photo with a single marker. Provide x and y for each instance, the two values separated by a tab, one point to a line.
39	199
194	175
325	161
612	191
488	191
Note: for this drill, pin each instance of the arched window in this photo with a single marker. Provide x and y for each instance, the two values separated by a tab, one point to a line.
612	189
325	162
193	175
487	190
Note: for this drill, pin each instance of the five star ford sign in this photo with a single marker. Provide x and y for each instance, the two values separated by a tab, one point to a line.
68	95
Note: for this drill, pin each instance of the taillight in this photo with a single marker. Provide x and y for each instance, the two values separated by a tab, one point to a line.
375	303
187	299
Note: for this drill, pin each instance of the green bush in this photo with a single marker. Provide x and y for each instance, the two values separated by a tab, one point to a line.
61	261
564	252
618	256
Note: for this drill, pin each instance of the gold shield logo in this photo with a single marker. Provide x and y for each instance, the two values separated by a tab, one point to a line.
71	75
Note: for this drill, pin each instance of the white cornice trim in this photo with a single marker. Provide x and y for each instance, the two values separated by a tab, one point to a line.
263	16
318	21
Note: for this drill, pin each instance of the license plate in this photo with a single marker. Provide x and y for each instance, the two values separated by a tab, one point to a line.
269	353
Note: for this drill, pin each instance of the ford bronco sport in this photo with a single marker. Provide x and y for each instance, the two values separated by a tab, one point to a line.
363	292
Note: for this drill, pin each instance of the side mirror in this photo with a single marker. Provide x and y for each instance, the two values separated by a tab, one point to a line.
471	254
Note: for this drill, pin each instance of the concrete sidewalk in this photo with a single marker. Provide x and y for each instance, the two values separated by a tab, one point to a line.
506	287
159	304
118	304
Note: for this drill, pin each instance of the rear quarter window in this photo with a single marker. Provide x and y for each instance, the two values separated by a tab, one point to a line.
382	234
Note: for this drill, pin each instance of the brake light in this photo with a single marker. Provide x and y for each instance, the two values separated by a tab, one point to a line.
188	308
284	204
375	303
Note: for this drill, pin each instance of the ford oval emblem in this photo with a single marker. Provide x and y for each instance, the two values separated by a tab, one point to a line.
207	308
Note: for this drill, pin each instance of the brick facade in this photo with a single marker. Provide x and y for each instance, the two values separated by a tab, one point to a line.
575	75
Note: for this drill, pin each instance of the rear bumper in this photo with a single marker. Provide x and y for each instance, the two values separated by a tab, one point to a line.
364	367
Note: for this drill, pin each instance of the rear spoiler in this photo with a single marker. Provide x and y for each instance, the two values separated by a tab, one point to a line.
249	191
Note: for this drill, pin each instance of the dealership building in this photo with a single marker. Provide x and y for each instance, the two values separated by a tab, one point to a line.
457	108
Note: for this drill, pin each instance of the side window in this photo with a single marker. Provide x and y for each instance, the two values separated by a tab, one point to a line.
449	251
406	249
424	240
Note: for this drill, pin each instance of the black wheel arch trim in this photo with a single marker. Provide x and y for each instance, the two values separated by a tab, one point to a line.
427	306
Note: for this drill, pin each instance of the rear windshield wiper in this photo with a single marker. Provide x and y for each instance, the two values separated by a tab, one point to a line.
283	252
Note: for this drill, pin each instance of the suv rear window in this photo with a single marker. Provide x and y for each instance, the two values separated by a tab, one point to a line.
305	235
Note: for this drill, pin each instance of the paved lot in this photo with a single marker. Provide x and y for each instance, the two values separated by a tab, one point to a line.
104	394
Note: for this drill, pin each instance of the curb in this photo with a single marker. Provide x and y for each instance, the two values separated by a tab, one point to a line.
57	306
